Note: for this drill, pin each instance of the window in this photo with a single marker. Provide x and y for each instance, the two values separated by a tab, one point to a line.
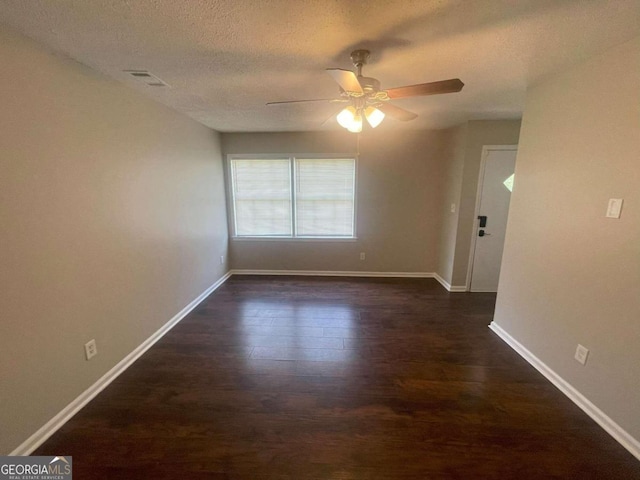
262	197
294	197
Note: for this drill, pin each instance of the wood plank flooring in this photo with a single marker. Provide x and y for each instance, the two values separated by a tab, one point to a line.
334	378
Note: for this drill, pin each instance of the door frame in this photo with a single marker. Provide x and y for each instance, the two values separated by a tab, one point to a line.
476	211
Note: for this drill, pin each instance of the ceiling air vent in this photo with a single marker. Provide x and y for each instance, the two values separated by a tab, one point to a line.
147	78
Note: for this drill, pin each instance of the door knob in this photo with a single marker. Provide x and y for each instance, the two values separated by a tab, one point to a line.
482	233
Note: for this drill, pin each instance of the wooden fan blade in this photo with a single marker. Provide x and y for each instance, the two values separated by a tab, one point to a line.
346	79
397	112
303	101
434	88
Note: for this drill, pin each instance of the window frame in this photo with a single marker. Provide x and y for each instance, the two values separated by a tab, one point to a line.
292	179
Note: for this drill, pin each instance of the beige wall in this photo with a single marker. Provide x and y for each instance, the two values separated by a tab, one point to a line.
462	160
398	203
569	274
113	219
453	157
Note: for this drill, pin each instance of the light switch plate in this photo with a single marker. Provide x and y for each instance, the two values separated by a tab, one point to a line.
581	354
614	208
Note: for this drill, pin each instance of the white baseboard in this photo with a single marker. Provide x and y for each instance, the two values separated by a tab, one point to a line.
601	418
325	273
448	286
49	428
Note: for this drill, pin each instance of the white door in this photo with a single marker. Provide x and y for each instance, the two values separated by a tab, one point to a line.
496	183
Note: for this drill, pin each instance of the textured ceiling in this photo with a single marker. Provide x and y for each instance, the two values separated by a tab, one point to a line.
225	59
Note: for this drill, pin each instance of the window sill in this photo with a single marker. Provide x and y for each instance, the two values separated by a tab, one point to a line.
294	239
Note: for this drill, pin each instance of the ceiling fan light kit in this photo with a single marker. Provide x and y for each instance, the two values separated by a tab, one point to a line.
347	118
351	119
374	116
366	99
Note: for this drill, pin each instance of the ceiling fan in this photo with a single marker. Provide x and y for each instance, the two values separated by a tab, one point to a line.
364	98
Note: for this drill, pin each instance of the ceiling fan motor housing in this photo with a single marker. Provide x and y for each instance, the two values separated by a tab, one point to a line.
369	84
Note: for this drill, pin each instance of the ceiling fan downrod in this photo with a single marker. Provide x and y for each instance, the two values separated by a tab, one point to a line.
360	58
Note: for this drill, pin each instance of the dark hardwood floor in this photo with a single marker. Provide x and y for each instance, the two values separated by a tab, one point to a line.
334	378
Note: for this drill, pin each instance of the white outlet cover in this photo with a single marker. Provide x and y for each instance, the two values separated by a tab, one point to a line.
90	349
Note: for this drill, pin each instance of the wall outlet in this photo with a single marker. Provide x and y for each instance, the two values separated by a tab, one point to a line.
221	259
362	255
90	349
581	354
453	208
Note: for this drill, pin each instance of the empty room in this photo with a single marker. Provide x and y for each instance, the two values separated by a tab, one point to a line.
320	239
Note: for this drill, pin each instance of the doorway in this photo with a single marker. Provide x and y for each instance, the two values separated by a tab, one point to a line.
495	184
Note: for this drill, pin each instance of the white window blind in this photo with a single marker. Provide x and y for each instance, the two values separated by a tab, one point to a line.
325	197
293	197
262	197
